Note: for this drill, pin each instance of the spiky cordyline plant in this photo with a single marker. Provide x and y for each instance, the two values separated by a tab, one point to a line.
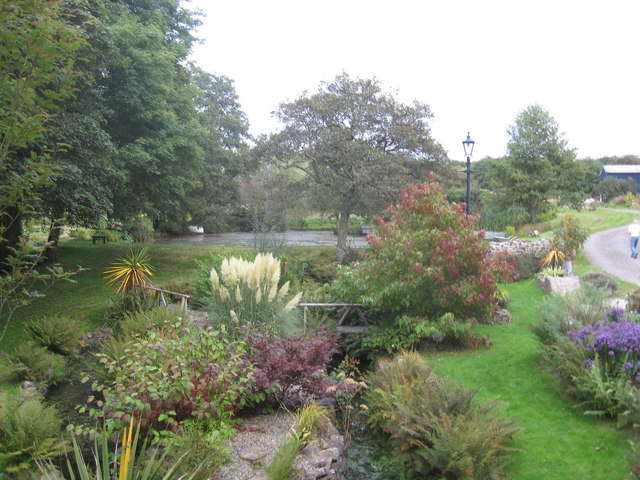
131	271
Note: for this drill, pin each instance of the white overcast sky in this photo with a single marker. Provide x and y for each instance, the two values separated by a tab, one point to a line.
476	63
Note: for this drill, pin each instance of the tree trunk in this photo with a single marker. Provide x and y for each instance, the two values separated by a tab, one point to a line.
51	251
10	233
342	226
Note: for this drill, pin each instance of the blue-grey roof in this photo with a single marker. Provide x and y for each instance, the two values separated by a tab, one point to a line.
621	168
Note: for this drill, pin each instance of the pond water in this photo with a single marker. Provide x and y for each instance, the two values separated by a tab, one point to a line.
249	239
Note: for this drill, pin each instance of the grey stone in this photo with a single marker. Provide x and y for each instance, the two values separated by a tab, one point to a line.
254	455
559	285
502	317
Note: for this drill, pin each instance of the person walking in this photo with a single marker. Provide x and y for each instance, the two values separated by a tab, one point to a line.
634	233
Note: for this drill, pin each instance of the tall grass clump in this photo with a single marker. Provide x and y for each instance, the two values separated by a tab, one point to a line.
434	423
58	333
247	294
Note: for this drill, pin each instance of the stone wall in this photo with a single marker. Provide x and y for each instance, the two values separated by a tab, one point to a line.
521	247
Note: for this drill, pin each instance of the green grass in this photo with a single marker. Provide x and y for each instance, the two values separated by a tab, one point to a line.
87	298
596	220
558	440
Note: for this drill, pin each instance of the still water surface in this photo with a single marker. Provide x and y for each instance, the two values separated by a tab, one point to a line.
248	239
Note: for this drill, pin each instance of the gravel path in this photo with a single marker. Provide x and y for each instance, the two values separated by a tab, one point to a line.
609	251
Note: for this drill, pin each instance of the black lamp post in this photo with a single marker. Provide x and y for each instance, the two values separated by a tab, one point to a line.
468	151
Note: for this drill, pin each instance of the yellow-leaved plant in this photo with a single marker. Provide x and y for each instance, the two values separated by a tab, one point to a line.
250	292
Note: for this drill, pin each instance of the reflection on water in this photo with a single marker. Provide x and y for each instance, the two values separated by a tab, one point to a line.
248	239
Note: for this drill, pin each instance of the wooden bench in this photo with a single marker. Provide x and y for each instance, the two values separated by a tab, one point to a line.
348	308
99	237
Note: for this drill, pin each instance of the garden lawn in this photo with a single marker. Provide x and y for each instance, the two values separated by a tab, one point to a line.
87	298
558	440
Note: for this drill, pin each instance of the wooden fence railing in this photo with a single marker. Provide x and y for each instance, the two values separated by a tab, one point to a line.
184	299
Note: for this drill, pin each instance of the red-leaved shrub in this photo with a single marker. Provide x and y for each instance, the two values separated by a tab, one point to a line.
428	259
292	366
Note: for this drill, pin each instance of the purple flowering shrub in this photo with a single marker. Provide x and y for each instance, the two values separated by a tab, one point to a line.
616	343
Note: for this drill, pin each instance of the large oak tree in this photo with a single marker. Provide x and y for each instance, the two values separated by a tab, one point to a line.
356	145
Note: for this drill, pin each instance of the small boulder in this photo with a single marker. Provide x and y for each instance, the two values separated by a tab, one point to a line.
502	317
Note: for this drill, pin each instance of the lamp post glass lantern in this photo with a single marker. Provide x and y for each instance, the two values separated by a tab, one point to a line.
468	151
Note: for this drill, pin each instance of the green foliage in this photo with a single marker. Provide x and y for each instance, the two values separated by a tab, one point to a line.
28	361
204	446
611	187
140	322
305	422
427	261
410	332
29	430
132	459
140	228
540	162
570	235
60	334
119	306
281	466
175	374
559	314
434	421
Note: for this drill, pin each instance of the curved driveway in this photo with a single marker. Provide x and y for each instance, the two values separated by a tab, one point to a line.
609	251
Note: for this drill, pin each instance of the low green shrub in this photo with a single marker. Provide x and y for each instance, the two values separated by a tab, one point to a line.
60	334
203	445
140	322
29	361
174	374
29	430
118	306
560	314
600	280
412	332
435	423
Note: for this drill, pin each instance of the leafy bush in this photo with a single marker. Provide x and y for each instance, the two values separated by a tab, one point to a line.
140	228
136	300
29	361
410	332
247	294
140	322
290	368
561	314
427	260
59	334
599	280
570	235
435	423
29	429
179	373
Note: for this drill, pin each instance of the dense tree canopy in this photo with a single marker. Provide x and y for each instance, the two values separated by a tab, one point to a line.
356	145
539	160
37	53
147	133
